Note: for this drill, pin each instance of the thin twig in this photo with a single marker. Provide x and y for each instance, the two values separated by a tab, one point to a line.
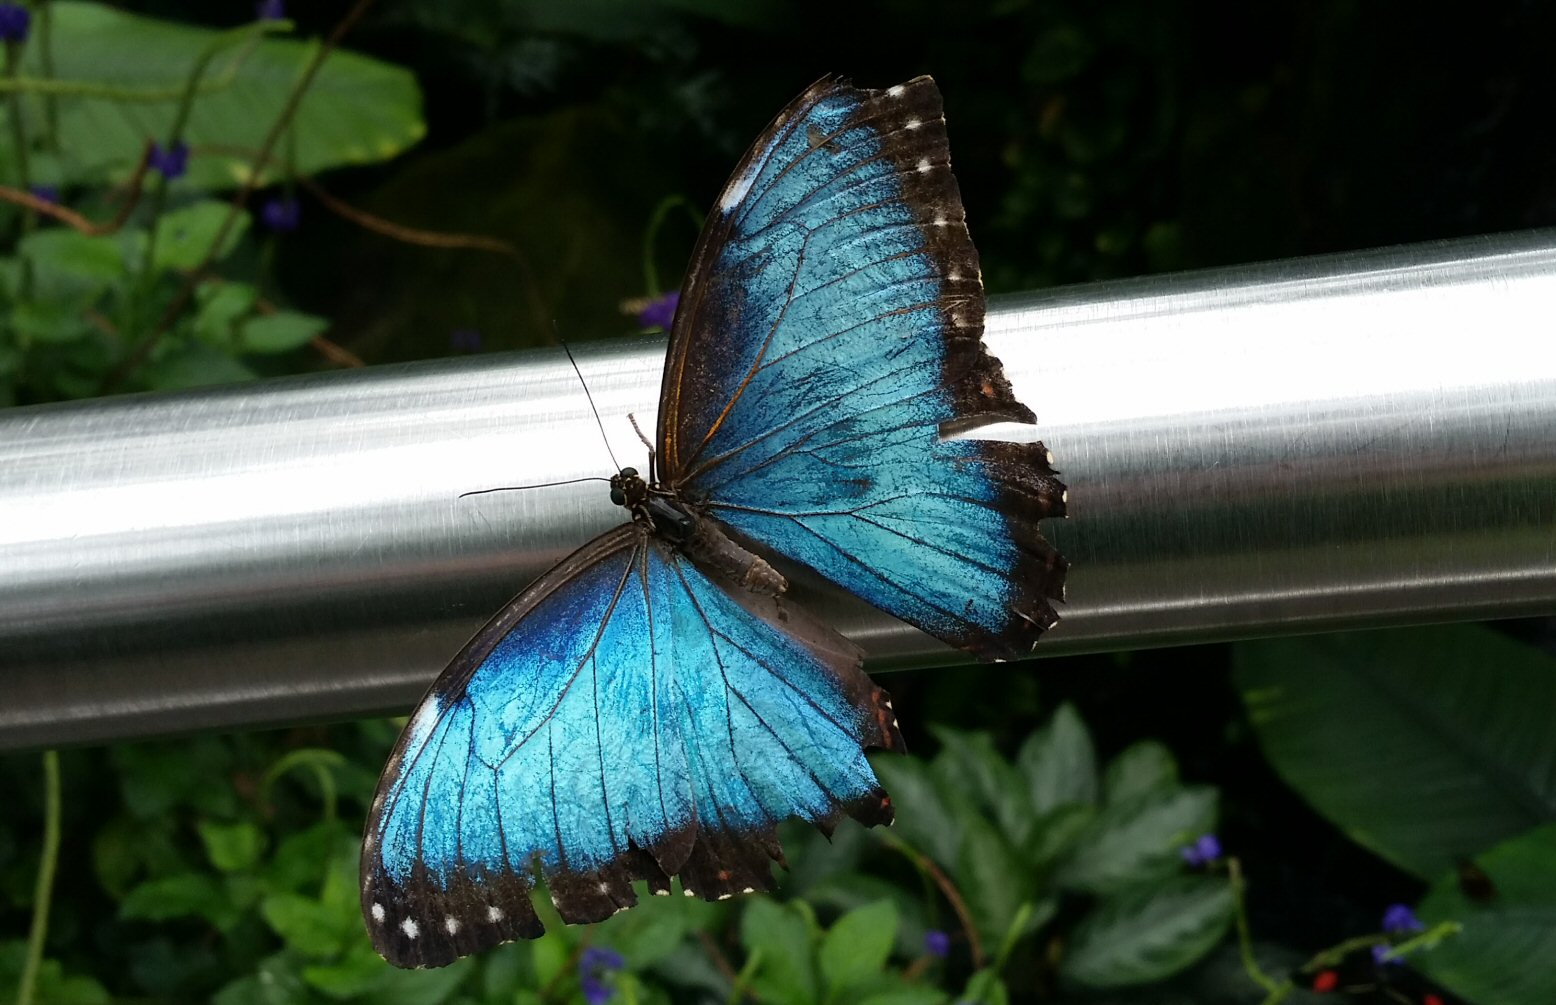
948	890
400	232
70	217
43	890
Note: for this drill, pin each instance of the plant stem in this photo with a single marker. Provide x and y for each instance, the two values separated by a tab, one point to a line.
947	889
46	59
1234	875
43	891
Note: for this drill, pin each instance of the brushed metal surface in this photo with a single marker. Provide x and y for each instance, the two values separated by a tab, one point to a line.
1355	440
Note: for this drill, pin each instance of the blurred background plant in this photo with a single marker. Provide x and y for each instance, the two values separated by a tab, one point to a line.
199	193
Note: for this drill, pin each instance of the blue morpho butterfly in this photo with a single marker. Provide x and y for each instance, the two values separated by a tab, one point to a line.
651	707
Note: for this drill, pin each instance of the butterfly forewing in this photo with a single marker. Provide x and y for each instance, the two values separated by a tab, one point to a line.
827	345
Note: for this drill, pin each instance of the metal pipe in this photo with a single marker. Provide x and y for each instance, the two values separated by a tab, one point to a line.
1355	440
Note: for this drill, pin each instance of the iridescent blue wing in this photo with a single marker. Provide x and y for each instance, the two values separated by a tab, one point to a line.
826	353
629	716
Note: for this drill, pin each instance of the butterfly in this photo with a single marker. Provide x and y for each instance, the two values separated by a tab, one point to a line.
653	707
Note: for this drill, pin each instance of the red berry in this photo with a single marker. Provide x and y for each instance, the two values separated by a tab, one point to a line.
1432	999
1328	980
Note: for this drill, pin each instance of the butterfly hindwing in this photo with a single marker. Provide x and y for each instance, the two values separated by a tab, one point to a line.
826	352
628	717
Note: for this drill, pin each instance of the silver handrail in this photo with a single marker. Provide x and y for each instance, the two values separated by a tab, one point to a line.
1355	440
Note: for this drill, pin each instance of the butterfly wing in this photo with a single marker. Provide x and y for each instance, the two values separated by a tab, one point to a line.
826	352
629	716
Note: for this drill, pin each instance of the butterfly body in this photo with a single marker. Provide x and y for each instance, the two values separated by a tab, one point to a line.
654	706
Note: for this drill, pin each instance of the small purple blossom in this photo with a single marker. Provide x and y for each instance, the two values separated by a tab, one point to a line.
48	193
1399	919
171	161
660	311
1205	850
1381	957
465	340
15	20
280	214
595	966
937	943
270	10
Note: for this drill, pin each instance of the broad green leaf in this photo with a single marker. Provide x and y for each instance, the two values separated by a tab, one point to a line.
65	256
1138	769
1127	843
301	859
969	762
48	323
1494	959
51	986
908	996
1059	763
655	928
304	924
786	974
171	897
232	846
985	988
358	971
186	235
1055	833
193	365
992	877
1370	727
855	948
282	331
357	110
1148	933
420	987
926	813
220	306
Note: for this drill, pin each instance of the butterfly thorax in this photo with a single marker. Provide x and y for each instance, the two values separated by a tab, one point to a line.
661	511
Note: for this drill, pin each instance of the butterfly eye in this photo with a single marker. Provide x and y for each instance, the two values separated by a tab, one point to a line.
629	472
618	497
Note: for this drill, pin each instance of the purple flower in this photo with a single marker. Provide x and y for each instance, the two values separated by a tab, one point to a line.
48	193
465	340
937	943
660	311
171	161
270	10
595	966
1399	919
1202	852
14	22
1381	957
280	214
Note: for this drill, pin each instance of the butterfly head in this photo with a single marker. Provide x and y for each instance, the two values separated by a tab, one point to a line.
629	489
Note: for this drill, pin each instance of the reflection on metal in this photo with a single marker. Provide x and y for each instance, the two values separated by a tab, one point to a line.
1358	440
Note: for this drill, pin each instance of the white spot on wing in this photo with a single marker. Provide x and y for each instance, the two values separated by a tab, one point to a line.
940	221
738	188
913	123
896	92
451	924
749	889
410	928
494	913
725	896
661	893
923	165
378	913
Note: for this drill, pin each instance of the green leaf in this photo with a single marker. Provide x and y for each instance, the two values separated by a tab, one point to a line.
47	323
232	847
787	973
926	813
65	256
1056	833
301	859
421	987
985	988
304	924
969	762
908	996
51	985
360	970
180	896
1491	959
220	306
1372	726
1137	840
282	331
185	236
993	879
1148	933
357	110
1138	769
1059	763
193	365
655	928
855	948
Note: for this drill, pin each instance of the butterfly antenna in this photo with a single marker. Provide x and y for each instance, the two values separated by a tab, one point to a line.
653	473
536	485
590	398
